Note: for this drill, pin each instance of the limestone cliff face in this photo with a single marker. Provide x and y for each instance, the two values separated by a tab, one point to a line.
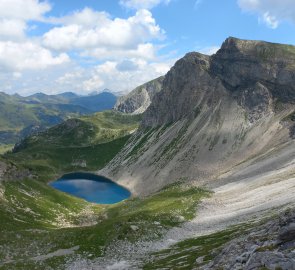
138	100
212	116
252	72
243	63
185	87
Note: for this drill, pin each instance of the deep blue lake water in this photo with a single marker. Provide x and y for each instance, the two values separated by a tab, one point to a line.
91	187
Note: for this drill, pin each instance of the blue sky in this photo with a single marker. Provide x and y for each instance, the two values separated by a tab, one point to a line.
84	46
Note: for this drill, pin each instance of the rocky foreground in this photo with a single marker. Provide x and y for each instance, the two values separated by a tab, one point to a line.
270	246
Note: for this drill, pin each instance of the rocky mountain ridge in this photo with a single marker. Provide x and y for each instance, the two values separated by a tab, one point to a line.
206	120
253	73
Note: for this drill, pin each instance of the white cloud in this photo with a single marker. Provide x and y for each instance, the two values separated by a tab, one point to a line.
27	55
23	9
72	77
144	51
17	51
126	80
127	65
271	21
96	30
92	84
69	77
29	81
86	17
142	4
12	29
271	12
17	75
14	15
124	46
102	76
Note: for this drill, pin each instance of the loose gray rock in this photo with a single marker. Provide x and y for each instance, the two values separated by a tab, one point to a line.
287	233
134	228
270	260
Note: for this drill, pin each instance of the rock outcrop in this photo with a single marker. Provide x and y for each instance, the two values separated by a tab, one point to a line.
11	172
139	99
214	116
268	246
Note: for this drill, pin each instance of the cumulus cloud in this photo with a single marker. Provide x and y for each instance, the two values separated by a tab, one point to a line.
126	80
27	55
94	83
86	17
14	15
270	20
23	9
72	77
17	51
144	51
12	29
142	4
271	12
127	77
69	78
127	65
124	48
89	29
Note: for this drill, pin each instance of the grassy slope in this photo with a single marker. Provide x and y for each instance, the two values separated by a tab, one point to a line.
16	119
35	215
45	210
95	139
37	220
5	147
16	116
18	113
183	255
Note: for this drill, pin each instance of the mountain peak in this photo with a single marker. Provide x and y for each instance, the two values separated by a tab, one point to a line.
264	69
256	48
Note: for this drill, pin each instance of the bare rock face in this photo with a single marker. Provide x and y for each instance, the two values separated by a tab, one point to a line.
10	172
186	86
257	100
138	100
253	72
268	246
242	63
213	115
287	233
3	168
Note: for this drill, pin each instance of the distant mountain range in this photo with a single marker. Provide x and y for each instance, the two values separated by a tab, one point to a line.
22	116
